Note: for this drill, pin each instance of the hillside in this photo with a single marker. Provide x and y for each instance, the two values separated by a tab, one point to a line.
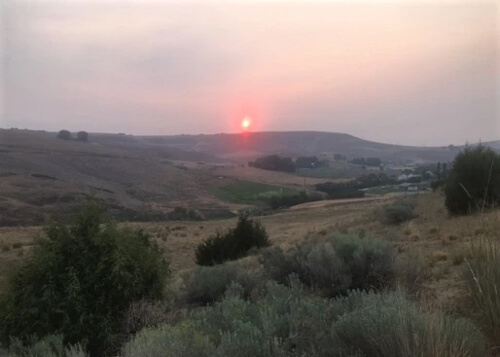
145	177
251	145
41	175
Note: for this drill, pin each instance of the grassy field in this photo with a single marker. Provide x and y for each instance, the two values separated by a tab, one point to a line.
249	193
439	240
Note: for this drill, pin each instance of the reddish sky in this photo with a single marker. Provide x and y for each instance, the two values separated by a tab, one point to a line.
407	72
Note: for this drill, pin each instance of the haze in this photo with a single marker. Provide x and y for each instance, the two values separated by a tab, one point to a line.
397	72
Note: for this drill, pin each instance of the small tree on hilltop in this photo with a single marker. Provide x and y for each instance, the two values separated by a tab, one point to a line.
473	183
64	135
82	136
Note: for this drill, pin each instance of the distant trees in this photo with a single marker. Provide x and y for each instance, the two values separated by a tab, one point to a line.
308	162
473	183
82	136
274	163
369	161
64	135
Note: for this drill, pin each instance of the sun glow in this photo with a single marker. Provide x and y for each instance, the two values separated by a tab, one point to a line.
245	123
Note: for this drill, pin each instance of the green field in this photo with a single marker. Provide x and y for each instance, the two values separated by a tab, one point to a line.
380	191
325	172
250	193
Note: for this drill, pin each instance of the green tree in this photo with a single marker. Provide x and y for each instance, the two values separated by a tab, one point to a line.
64	135
82	136
80	280
474	181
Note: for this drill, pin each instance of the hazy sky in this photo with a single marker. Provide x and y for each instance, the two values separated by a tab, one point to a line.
407	72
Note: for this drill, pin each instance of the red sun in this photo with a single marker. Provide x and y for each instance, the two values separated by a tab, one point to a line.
246	123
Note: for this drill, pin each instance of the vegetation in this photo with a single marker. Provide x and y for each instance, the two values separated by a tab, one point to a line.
64	135
344	262
80	280
274	163
308	162
286	322
82	136
206	285
233	244
340	190
369	161
474	181
246	192
482	274
352	188
397	212
185	214
279	201
49	346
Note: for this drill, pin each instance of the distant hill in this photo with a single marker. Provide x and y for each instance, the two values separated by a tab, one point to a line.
252	145
145	177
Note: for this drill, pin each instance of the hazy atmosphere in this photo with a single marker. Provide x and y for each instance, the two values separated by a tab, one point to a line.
396	72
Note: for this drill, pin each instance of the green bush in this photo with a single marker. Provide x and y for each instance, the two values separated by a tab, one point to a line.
397	212
49	346
344	262
385	325
169	341
287	322
482	274
474	181
79	282
233	244
206	285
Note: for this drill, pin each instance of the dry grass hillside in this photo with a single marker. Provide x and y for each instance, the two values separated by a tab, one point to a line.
438	241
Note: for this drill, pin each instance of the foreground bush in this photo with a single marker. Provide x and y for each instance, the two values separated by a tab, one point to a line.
482	274
397	212
474	181
206	285
49	346
80	280
286	322
233	244
343	263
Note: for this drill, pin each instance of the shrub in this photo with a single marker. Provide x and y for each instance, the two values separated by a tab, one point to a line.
281	201
233	244
49	346
482	274
206	285
287	322
64	135
146	314
169	341
82	136
80	280
474	181
385	325
185	214
397	212
412	272
344	262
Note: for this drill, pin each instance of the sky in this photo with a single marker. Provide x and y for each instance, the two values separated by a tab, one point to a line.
404	72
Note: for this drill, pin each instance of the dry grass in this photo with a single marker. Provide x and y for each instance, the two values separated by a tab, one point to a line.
440	240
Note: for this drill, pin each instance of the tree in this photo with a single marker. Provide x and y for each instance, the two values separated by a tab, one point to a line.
82	136
473	183
79	282
64	135
438	170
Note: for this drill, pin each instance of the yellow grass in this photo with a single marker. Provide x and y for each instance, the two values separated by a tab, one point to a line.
441	240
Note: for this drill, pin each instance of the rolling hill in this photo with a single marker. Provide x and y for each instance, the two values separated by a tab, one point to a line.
145	177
